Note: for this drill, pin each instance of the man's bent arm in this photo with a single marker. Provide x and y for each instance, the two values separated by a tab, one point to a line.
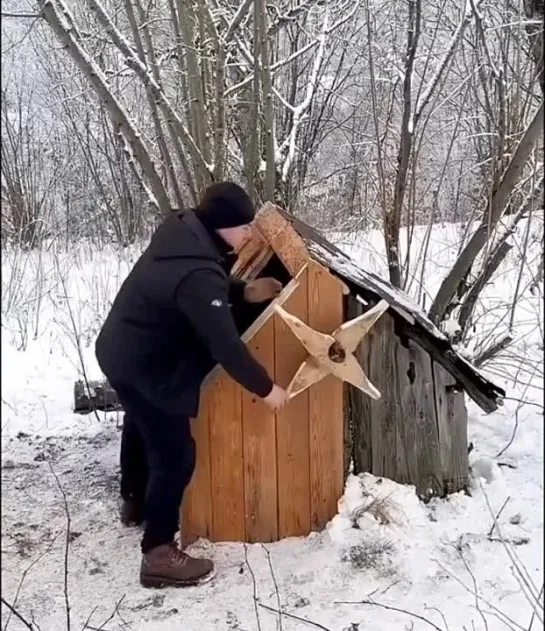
203	297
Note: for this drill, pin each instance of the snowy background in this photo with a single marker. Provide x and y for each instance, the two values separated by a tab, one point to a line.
386	561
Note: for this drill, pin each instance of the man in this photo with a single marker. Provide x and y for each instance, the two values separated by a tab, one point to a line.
170	323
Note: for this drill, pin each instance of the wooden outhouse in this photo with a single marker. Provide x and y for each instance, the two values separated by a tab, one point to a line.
262	476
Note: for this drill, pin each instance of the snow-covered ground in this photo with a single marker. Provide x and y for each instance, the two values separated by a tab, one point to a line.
386	561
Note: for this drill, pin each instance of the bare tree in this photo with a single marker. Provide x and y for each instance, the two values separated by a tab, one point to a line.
215	68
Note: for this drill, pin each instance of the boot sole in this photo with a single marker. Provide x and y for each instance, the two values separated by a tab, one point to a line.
158	582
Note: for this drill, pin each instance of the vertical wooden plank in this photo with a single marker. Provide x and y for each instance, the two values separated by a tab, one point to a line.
427	445
359	403
259	440
382	345
452	426
326	405
407	471
292	424
417	422
226	459
196	509
348	430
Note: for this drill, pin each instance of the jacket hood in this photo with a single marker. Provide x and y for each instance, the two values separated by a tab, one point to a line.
183	236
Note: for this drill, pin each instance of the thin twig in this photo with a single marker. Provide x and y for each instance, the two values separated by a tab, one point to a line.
86	624
267	552
17	614
500	453
20	15
77	338
440	613
66	548
254	585
113	613
317	625
34	622
498	516
504	618
110	617
534	611
473	579
389	608
25	573
124	623
519	566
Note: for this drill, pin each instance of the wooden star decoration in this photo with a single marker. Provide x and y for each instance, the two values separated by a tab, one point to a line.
332	354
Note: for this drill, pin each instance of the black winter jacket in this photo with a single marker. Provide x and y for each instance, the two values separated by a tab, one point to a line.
171	321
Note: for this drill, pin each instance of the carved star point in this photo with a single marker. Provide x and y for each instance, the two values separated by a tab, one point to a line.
332	354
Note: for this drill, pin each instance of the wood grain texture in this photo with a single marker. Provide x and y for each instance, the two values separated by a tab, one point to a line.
292	424
270	222
226	459
385	411
291	250
196	509
259	439
407	470
358	412
404	437
430	470
326	416
452	425
282	237
253	257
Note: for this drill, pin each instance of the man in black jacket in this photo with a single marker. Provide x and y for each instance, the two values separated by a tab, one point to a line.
170	323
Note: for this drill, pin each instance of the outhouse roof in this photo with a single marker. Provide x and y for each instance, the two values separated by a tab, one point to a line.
288	235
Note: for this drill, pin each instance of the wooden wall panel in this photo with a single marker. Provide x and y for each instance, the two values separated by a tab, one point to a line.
196	510
259	439
326	399
292	424
452	428
226	459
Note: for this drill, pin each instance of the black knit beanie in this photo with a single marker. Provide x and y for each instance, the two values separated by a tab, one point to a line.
225	205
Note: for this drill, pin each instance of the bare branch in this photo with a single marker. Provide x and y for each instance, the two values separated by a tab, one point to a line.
495	209
14	611
20	15
390	608
310	623
61	25
140	69
66	547
240	14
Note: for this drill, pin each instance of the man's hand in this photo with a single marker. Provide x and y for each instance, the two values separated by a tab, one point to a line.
277	398
262	289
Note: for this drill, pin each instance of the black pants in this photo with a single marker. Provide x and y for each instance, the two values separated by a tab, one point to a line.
157	462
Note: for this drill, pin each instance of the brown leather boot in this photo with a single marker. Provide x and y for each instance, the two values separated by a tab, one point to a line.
167	566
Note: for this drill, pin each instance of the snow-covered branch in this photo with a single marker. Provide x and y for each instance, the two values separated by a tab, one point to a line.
300	111
61	22
147	79
445	61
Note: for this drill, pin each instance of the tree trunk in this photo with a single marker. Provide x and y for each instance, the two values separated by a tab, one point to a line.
97	79
267	91
393	217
